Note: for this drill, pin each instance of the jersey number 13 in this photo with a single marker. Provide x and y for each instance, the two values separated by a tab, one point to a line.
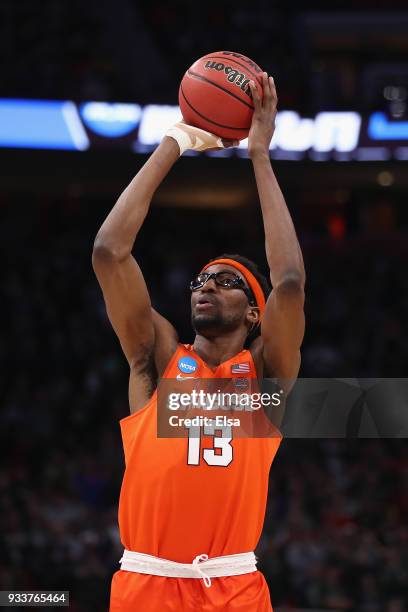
221	454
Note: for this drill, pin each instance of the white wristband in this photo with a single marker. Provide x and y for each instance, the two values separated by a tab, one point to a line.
181	137
194	138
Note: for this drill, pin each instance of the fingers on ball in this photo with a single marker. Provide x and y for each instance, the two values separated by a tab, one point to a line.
255	93
272	87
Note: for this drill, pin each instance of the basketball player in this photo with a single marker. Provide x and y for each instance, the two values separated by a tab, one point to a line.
190	516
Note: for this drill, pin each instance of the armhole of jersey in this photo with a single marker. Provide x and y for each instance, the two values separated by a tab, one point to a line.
172	359
153	398
280	434
252	362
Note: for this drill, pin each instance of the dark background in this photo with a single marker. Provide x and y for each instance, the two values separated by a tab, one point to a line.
335	534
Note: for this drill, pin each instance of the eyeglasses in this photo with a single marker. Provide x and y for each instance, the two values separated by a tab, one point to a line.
225	279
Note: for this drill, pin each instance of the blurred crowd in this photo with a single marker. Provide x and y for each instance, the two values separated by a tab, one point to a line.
334	535
341	57
335	532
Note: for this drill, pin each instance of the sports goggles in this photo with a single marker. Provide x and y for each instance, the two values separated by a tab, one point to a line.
225	279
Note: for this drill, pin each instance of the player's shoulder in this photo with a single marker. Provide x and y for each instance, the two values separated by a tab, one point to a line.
267	370
256	350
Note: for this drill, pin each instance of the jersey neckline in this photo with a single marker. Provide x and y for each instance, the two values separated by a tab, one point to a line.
190	348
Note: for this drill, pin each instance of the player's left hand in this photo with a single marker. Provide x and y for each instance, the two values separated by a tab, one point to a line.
263	119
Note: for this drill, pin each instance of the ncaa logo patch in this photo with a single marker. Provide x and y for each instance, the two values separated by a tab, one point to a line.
188	365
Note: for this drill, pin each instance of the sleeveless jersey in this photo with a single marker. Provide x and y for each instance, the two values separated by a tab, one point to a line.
177	502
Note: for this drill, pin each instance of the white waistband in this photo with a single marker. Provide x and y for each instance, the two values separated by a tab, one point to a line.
201	567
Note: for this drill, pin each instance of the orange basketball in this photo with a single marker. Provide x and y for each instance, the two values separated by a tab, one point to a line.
214	94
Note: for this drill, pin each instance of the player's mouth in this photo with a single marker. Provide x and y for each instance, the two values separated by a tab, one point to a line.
204	304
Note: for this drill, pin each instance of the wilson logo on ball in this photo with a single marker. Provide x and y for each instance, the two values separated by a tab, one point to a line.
233	76
245	59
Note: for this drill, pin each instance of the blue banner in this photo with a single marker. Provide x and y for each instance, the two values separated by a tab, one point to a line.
65	125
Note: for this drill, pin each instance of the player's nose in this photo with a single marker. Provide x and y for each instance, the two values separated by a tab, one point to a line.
210	286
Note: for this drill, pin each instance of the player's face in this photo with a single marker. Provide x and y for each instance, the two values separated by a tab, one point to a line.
216	309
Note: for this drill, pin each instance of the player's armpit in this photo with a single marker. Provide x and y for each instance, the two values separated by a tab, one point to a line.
282	330
127	303
166	341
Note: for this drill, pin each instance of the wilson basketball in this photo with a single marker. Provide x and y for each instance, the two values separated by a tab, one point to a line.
214	94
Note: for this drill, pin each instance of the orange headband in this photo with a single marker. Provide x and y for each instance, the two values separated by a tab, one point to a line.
249	277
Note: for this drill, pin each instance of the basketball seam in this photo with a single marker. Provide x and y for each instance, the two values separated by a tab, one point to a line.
232	59
228	127
202	78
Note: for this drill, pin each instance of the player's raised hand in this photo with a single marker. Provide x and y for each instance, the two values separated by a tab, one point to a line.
263	119
190	137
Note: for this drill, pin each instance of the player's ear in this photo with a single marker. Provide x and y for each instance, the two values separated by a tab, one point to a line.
253	316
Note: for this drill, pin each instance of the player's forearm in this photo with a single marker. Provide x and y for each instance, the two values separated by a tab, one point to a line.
119	230
283	251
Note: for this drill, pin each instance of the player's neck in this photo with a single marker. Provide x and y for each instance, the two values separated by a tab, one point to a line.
217	350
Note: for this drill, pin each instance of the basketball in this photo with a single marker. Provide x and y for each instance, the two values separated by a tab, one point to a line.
214	94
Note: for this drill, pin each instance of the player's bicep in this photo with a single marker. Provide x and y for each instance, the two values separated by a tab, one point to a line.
127	303
282	330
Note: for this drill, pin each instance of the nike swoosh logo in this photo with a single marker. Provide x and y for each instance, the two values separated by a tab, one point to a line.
180	377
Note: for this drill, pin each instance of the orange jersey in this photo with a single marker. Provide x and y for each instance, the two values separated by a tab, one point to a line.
181	498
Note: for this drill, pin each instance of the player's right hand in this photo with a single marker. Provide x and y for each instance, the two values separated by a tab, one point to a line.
263	120
196	139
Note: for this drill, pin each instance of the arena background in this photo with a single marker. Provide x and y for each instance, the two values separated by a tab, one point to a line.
335	535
